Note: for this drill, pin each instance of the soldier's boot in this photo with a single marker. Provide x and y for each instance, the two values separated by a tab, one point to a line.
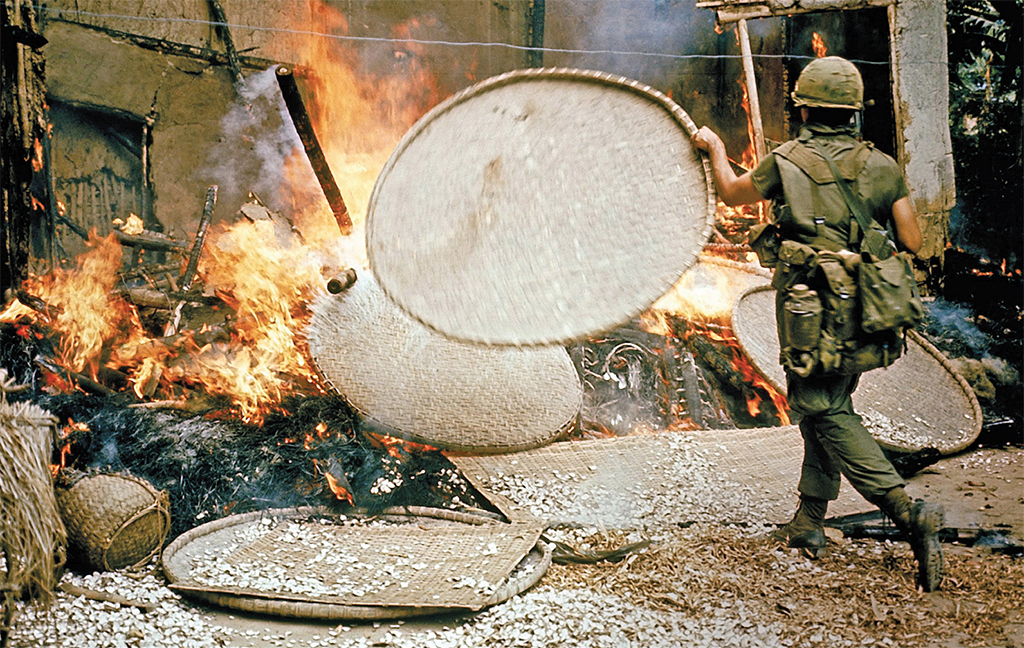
920	523
806	530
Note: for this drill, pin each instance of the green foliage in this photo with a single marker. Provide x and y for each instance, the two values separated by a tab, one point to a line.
984	38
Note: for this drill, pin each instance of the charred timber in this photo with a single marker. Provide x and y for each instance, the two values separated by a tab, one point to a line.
176	49
146	271
150	241
221	23
189	275
341	281
304	127
147	297
38	305
86	383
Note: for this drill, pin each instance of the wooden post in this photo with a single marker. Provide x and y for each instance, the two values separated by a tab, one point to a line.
760	149
536	52
304	127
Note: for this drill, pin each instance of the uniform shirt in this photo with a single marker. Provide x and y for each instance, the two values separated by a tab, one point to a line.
880	183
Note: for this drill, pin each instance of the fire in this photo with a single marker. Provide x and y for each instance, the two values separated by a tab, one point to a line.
66	433
708	294
339	491
818	43
396	447
81	305
359	115
131	226
37	155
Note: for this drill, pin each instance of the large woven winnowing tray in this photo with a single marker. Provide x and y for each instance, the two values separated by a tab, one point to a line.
918	402
540	206
431	389
305	563
652	480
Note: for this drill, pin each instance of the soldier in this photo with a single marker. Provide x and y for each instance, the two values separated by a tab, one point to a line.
815	213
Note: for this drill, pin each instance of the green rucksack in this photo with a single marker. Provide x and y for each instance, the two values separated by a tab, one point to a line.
868	298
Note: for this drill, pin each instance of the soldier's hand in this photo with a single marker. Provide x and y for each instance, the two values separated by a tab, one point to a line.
705	139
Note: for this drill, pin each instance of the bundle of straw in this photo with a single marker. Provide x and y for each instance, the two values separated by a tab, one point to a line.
32	536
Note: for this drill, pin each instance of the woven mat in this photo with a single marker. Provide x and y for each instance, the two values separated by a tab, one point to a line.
918	402
422	386
654	480
540	206
395	565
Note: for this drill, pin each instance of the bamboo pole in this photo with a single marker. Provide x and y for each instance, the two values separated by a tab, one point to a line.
760	149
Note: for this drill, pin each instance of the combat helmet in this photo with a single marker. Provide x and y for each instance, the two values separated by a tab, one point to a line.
829	82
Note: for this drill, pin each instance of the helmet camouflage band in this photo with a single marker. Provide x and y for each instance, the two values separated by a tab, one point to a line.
830	82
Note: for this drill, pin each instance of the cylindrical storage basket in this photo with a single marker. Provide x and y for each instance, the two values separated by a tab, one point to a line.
113	521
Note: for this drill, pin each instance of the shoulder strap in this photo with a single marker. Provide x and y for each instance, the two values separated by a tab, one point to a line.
853	201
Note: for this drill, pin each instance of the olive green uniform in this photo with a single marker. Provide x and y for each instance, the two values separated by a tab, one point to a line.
835	439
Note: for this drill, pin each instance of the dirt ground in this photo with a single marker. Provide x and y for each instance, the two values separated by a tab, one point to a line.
705	584
980	488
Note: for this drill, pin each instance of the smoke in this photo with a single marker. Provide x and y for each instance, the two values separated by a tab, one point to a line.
954	327
257	137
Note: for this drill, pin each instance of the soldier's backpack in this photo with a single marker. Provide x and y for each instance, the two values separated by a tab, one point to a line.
867	294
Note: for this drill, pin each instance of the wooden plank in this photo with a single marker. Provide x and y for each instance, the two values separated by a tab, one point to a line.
760	149
729	11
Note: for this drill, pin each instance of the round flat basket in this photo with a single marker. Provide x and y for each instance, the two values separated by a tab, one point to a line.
918	402
539	207
113	521
420	385
306	563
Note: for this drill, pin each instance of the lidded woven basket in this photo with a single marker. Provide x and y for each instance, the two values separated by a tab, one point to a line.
113	520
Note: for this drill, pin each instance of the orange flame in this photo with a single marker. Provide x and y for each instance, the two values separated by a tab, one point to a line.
397	447
818	43
37	155
339	491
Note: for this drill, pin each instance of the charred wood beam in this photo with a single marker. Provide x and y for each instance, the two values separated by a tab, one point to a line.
187	277
150	241
177	49
37	304
221	23
83	381
147	297
304	127
729	11
149	271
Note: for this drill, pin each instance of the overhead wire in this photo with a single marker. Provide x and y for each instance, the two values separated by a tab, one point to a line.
419	41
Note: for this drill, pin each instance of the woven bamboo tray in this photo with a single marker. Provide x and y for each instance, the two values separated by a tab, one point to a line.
920	401
653	480
405	563
419	385
540	206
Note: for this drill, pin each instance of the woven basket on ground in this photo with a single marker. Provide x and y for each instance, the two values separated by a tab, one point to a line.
417	384
540	206
918	402
113	520
307	563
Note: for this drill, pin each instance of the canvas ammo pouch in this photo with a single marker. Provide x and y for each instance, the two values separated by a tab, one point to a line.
888	294
764	240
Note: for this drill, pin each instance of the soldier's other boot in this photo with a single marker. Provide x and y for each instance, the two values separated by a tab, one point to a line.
806	530
920	522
